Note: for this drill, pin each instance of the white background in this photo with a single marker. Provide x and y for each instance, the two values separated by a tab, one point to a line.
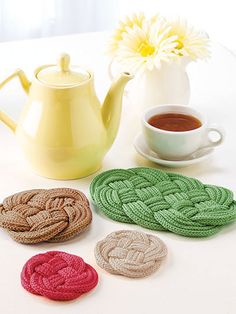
40	18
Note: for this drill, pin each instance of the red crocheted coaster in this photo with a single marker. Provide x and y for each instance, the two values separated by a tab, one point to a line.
58	276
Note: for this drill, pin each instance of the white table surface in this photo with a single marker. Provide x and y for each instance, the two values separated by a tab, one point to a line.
199	275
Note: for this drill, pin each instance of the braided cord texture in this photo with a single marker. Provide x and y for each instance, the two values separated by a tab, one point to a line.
58	276
45	215
130	253
158	200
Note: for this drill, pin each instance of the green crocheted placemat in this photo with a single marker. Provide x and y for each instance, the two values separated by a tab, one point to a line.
159	200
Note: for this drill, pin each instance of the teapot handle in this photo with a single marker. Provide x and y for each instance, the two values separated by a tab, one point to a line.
25	83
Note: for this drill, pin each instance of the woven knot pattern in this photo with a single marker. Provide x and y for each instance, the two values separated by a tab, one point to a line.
163	201
130	253
45	215
58	276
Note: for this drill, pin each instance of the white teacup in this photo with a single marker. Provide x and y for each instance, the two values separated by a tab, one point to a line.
172	145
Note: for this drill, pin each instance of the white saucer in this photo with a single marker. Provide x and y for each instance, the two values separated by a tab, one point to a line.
143	149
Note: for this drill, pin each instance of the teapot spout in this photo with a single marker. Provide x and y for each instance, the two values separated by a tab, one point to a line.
111	108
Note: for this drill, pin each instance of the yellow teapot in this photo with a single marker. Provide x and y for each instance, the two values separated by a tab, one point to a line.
63	130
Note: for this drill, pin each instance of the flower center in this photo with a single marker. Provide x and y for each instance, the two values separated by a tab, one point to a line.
180	44
145	49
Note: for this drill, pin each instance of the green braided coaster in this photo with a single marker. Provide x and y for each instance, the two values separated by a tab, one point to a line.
158	200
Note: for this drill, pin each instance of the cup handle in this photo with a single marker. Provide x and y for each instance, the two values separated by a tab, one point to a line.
214	129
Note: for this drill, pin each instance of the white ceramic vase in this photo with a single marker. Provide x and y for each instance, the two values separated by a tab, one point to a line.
167	85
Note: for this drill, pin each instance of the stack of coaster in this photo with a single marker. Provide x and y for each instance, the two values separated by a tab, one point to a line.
158	200
58	276
45	215
130	253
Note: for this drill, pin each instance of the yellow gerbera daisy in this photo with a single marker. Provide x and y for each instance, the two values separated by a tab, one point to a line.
190	42
128	23
147	46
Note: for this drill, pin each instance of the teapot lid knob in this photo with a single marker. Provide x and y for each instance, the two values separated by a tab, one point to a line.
64	62
63	74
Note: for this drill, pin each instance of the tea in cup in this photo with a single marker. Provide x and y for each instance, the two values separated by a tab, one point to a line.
177	131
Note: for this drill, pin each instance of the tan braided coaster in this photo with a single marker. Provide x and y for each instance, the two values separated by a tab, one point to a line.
130	253
45	215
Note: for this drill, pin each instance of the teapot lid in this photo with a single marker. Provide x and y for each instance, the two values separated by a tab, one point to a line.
62	75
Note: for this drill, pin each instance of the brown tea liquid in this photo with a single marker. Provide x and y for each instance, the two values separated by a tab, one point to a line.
176	122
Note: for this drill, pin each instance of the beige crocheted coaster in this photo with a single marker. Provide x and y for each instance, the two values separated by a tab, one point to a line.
130	253
45	215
